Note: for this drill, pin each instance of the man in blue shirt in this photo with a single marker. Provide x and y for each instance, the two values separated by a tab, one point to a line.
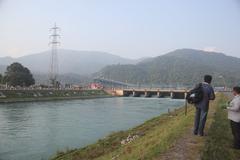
203	105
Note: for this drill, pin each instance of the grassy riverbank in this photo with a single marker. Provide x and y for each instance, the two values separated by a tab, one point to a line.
167	133
152	138
11	96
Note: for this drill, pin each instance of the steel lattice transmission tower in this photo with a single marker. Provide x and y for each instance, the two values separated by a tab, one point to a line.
54	43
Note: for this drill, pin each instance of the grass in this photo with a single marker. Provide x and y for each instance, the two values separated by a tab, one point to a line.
189	146
157	140
219	141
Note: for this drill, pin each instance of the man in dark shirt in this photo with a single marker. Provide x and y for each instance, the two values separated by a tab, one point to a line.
202	106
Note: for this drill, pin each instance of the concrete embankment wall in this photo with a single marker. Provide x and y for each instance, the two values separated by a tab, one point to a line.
7	96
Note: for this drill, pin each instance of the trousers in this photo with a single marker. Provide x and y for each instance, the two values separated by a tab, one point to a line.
200	121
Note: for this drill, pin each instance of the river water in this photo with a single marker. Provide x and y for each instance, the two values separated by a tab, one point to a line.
35	131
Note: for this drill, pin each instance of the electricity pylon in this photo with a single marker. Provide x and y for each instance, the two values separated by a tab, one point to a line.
54	43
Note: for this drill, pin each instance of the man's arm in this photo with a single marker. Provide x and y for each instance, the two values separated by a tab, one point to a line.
212	94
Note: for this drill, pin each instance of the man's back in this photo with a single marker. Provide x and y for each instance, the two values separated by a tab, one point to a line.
208	95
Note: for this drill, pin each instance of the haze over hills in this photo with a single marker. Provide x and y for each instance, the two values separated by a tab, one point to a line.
70	61
66	78
2	68
182	66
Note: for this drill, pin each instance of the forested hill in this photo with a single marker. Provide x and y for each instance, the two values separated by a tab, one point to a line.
182	66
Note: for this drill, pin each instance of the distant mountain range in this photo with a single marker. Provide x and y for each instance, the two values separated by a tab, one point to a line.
70	61
182	66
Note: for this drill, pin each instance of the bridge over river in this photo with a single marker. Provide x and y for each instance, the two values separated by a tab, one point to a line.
160	93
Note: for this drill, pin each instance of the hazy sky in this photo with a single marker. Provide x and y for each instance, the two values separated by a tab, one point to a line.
129	28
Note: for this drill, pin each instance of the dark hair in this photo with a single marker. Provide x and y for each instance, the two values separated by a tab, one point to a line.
208	78
236	89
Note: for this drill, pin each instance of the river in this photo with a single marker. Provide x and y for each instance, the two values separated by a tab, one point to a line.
37	130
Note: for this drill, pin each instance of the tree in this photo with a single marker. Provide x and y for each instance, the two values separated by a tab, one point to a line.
18	75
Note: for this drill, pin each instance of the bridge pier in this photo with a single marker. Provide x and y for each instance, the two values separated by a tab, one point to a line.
171	95
145	94
134	94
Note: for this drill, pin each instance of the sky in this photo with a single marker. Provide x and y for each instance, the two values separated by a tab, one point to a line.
128	28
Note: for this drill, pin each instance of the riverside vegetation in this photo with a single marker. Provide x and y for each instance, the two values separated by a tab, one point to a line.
7	96
157	136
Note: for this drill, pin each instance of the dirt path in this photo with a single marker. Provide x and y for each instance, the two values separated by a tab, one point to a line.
189	146
186	148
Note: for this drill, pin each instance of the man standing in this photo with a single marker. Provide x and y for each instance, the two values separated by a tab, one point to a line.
203	105
234	116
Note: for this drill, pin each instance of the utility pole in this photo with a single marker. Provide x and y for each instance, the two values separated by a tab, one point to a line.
54	43
224	82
